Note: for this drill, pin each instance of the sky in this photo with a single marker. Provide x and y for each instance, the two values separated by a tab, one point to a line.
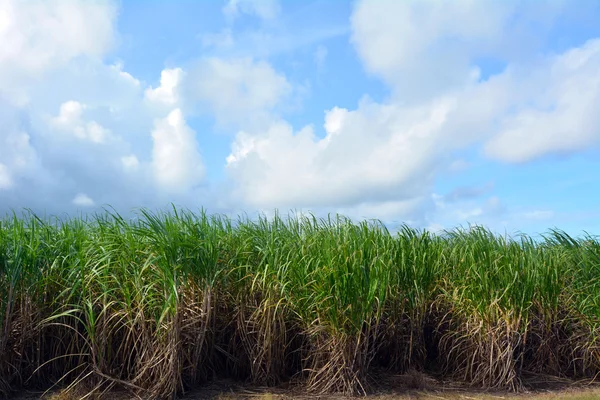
431	113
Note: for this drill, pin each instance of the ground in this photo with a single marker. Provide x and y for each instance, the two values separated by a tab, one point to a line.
400	387
579	393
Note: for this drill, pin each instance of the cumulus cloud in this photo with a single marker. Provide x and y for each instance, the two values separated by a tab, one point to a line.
176	162
236	91
38	36
406	42
83	200
74	124
545	105
46	168
376	153
67	117
557	111
390	152
70	120
168	91
380	153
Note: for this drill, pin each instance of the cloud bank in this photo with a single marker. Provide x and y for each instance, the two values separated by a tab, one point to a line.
80	132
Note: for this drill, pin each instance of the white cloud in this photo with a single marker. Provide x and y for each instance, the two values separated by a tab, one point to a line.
407	42
52	51
557	111
5	179
54	54
535	107
389	153
55	115
70	112
237	91
83	200
124	75
176	163
17	155
168	91
376	153
264	9
70	120
130	162
377	160
38	36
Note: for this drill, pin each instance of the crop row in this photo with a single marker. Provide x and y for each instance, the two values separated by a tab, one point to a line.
167	301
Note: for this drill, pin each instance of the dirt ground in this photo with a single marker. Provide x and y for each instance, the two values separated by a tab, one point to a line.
567	394
579	393
394	387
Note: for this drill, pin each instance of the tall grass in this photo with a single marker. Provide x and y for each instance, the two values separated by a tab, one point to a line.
167	301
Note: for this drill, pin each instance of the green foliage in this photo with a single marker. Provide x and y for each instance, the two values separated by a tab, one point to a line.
167	300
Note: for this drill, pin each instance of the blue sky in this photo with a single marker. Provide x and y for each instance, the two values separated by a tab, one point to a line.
433	113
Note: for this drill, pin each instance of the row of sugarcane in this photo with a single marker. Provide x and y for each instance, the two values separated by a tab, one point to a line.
164	302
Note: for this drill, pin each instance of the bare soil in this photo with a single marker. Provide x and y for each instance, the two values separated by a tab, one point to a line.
413	385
